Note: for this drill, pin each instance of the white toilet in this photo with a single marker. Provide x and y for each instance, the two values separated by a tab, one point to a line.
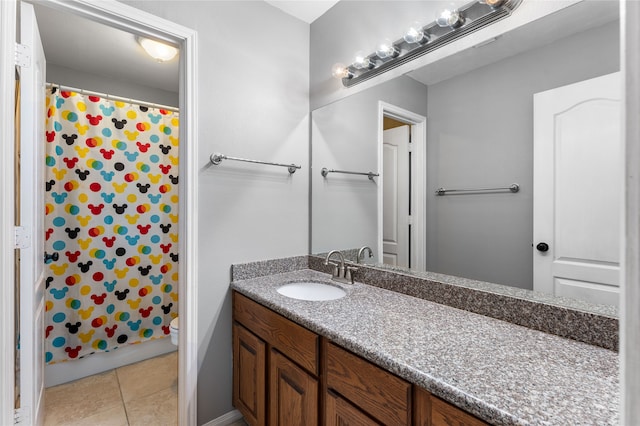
173	329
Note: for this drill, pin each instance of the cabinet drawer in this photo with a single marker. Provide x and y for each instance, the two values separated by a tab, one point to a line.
296	342
375	391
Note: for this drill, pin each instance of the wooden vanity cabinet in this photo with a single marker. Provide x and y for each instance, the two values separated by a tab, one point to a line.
430	410
293	393
275	367
278	379
376	392
249	375
340	412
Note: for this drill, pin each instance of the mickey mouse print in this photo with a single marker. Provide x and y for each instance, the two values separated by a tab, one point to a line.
111	249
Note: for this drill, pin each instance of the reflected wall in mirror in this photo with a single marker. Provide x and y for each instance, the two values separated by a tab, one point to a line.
479	105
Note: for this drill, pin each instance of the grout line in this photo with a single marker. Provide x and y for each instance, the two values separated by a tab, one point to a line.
124	406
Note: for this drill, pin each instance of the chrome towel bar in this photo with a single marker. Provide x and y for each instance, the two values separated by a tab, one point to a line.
326	171
217	158
514	187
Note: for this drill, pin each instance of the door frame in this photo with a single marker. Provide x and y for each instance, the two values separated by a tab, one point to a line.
136	21
419	185
630	267
8	14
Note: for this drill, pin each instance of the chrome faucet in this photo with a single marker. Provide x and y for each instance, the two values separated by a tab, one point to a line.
361	252
340	272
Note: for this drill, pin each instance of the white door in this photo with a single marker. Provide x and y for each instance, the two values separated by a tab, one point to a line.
32	286
577	190
395	196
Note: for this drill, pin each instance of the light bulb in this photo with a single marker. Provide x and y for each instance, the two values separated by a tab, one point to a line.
386	49
159	51
415	34
340	71
449	18
362	61
493	3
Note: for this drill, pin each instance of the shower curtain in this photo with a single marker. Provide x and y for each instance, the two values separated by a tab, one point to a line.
111	249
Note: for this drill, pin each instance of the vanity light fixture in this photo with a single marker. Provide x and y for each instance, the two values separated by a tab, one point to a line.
341	71
161	52
415	34
449	18
493	3
362	61
387	49
451	24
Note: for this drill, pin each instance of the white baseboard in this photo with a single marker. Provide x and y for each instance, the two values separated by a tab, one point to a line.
225	419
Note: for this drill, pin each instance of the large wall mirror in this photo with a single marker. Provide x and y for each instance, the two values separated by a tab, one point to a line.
538	107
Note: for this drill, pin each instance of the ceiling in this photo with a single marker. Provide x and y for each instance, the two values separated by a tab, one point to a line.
87	46
305	10
84	45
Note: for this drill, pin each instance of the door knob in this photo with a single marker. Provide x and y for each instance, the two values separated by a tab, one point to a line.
542	247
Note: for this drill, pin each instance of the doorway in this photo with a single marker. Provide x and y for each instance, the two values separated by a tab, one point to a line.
401	196
140	23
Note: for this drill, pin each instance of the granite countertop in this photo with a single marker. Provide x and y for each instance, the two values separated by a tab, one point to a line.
503	373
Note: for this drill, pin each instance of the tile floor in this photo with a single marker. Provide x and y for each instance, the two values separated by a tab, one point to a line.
145	393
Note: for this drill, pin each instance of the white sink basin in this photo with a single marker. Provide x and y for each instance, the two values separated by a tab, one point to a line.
311	291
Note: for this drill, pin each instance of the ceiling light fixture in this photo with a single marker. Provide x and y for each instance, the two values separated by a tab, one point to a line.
450	24
161	52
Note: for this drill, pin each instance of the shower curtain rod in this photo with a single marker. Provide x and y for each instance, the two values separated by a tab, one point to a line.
112	97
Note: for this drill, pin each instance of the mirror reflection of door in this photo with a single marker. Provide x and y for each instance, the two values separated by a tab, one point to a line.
577	180
396	190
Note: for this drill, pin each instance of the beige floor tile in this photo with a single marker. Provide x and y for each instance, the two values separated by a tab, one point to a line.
148	377
115	416
82	398
158	409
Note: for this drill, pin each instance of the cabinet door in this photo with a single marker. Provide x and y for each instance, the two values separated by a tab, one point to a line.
249	375
432	411
293	396
340	413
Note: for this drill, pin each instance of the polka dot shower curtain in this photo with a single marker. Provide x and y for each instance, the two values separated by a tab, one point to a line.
111	249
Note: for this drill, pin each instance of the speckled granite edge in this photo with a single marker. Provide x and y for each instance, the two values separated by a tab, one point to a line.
591	328
246	271
505	290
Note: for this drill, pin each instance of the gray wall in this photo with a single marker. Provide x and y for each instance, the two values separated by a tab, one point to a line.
480	134
104	84
253	102
345	137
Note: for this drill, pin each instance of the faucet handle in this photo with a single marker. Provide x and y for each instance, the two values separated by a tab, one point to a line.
348	273
335	270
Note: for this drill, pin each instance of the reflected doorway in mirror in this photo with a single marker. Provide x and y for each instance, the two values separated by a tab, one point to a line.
401	193
578	189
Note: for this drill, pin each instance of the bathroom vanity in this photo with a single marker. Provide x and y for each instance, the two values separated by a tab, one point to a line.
307	372
377	356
